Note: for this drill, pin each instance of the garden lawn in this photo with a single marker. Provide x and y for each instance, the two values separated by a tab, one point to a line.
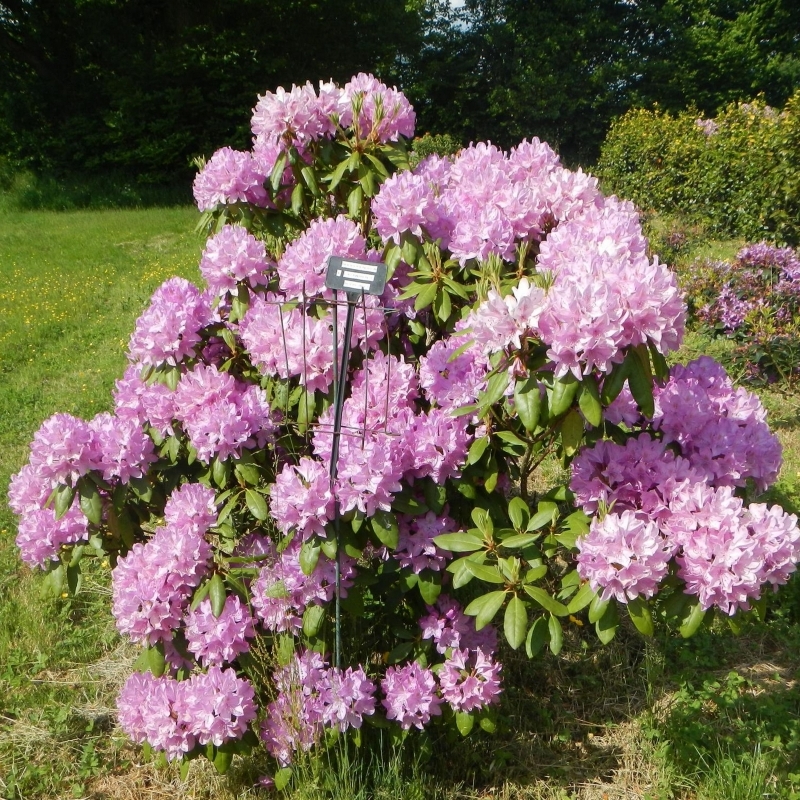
713	718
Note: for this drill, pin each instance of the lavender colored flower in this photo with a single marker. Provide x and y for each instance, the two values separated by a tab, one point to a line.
125	450
145	404
624	555
378	114
346	698
147	713
451	380
410	695
301	499
169	329
28	491
234	256
151	585
191	508
406	203
470	681
721	430
230	176
293	117
302	266
64	448
220	414
449	628
416	548
215	706
41	536
216	640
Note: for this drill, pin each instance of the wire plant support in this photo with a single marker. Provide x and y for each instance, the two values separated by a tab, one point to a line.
357	279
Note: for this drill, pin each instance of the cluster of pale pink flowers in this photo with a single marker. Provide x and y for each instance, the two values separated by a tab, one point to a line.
64	450
175	716
665	508
298	118
223	432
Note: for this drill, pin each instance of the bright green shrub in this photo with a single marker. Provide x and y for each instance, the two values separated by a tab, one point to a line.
738	174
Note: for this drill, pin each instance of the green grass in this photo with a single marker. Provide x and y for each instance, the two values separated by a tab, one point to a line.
714	717
71	287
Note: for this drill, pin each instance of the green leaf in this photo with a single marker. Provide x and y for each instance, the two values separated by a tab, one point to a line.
556	635
411	249
222	760
597	608
310	178
63	496
464	722
583	598
606	626
495	389
309	555
354	202
313	617
282	778
249	473
430	585
640	380
660	367
156	662
484	573
477	449
276	176
91	502
216	593
461	542
535	573
484	608
385	526
54	581
425	296
220	471
545	516
256	504
572	432
435	496
528	402
442	306
199	595
538	636
614	381
298	195
400	653
74	578
519	513
483	522
515	623
564	391
640	615
589	401
693	616
545	600
520	540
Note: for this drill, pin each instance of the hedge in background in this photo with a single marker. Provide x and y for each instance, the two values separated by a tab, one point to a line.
738	174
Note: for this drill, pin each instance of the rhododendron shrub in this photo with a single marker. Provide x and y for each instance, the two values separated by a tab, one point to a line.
523	319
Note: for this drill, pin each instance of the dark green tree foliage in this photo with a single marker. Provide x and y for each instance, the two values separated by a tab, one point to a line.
713	52
505	69
508	69
142	86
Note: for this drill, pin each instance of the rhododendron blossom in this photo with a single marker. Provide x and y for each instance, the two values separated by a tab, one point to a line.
309	548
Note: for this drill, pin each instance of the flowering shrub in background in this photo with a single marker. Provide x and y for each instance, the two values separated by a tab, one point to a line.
522	319
735	174
755	300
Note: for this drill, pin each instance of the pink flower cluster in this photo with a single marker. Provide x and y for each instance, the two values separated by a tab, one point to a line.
152	584
301	116
666	507
176	716
282	591
312	696
231	257
230	176
220	414
450	629
216	640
